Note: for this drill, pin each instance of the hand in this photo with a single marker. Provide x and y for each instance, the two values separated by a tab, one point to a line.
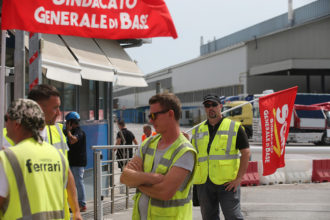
135	164
232	185
68	126
157	178
77	216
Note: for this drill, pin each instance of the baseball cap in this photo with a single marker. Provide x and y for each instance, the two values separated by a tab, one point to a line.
213	98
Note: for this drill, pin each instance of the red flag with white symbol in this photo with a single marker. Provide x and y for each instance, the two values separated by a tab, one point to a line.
108	19
275	113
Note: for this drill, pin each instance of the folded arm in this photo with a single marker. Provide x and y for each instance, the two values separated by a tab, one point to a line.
133	175
166	189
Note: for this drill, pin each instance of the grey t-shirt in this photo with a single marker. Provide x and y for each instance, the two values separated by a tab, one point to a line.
186	161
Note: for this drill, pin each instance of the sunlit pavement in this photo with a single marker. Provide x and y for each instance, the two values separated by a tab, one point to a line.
282	201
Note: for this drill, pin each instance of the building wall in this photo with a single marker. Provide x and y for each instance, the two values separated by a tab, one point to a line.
212	71
309	41
222	72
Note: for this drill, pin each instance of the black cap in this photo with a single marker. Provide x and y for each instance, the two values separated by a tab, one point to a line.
213	98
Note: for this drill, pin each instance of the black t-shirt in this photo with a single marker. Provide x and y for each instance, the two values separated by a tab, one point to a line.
122	153
77	153
242	140
128	135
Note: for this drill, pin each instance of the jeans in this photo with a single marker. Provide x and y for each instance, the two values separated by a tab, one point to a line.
78	174
211	195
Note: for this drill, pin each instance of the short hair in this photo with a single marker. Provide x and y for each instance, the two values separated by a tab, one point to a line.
147	126
168	101
43	92
29	114
121	123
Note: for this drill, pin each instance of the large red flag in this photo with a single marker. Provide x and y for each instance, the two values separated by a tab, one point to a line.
275	114
109	19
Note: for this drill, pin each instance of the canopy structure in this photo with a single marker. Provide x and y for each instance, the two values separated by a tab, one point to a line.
68	59
127	72
57	61
94	64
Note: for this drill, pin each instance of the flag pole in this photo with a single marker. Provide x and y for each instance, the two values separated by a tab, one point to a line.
228	110
2	83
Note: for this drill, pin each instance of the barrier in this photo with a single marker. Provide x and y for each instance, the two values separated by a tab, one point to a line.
251	177
277	178
321	170
298	171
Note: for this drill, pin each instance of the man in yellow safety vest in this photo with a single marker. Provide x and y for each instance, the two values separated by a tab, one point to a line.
223	154
48	98
33	174
163	168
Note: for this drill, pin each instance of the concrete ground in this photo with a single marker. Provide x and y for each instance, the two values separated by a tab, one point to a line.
269	202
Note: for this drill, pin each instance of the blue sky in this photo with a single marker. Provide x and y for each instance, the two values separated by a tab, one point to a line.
211	19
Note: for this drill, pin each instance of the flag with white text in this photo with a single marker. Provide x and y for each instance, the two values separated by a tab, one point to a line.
275	114
108	19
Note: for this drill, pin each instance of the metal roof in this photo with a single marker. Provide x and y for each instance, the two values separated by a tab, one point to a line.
304	14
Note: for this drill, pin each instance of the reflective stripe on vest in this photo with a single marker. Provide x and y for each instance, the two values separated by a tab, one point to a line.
231	133
171	203
58	145
221	163
146	150
180	205
167	163
23	196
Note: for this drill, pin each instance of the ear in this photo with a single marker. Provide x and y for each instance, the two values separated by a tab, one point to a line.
17	125
171	113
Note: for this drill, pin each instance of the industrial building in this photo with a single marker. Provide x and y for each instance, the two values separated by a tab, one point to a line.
288	50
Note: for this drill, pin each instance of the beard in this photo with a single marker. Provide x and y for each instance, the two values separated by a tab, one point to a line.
212	114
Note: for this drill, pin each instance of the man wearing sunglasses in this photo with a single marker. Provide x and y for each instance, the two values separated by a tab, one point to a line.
223	156
163	168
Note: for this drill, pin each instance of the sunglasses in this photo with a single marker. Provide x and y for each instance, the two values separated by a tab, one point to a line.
208	105
153	116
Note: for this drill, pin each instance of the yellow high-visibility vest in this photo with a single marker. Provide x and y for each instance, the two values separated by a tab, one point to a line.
56	138
6	140
37	175
221	164
180	205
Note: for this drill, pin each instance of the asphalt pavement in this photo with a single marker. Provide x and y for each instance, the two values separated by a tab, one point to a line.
269	202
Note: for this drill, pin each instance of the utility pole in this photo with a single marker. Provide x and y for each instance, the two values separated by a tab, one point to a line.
35	76
19	64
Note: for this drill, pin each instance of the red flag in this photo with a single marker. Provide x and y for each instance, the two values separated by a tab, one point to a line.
275	114
109	19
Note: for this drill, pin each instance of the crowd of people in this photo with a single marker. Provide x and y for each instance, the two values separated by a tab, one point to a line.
40	157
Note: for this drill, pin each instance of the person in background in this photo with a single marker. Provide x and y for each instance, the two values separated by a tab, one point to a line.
33	174
163	167
77	154
147	132
223	157
124	137
48	97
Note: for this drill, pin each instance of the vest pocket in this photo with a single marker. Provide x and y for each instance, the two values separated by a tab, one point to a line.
158	213
198	175
224	171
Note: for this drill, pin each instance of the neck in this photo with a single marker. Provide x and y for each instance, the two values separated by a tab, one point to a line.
169	136
214	121
22	135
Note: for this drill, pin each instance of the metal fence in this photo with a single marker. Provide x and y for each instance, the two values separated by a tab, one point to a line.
105	177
